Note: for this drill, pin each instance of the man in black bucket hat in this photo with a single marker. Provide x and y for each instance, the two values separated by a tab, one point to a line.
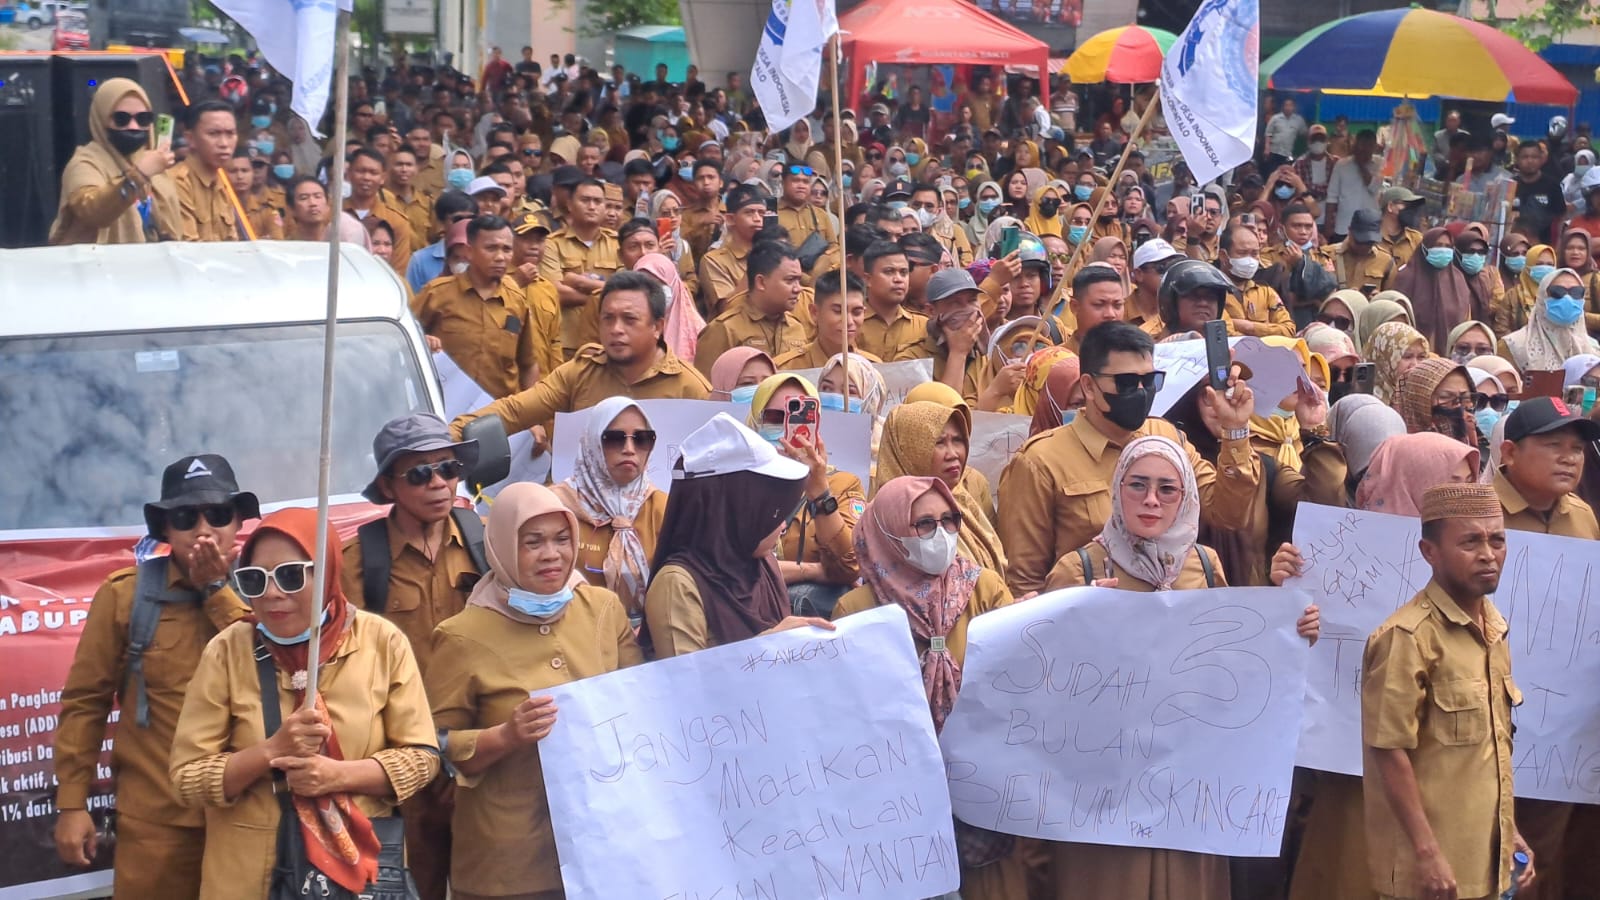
141	642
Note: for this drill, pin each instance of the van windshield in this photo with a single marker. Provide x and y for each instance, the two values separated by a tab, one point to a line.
91	420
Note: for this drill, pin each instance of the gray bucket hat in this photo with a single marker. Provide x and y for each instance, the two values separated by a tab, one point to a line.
414	433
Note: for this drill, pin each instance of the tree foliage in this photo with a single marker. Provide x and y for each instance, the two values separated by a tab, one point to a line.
603	17
1548	22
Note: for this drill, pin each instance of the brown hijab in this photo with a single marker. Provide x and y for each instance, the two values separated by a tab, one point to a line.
1483	284
1439	298
96	166
1414	400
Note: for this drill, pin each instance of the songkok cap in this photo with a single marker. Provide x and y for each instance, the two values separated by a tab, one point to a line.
612	191
1460	501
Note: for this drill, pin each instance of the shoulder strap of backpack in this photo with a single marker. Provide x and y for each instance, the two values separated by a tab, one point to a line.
375	565
472	534
1269	470
1205	565
149	585
271	716
1088	565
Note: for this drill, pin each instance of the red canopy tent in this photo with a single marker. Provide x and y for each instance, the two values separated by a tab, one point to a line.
935	32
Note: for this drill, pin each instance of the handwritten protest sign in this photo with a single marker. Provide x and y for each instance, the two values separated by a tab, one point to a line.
1362	566
463	395
1274	371
752	770
1144	720
996	437
848	436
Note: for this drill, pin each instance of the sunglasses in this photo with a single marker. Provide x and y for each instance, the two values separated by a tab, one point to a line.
122	119
1128	382
1342	323
927	525
799	170
615	439
449	470
1462	400
290	577
1341	374
1575	292
1497	402
529	151
186	518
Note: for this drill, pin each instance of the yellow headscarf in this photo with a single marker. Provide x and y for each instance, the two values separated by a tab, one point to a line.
1283	432
768	387
1036	222
1039	366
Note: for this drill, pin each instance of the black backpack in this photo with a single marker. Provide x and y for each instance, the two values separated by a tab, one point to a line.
375	558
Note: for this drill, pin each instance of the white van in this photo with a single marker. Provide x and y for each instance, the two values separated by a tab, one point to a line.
117	360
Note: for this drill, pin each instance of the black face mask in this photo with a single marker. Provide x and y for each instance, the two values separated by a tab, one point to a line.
1049	206
1455	419
1411	215
1337	391
128	141
1129	410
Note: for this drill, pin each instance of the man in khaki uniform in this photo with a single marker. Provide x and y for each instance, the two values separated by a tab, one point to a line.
403	194
1436	699
1056	492
482	317
208	212
632	361
577	260
426	547
888	327
802	220
1251	308
1541	463
953	339
365	173
530	233
170	607
722	269
703	218
1400	207
265	222
766	319
836	308
1358	263
430	160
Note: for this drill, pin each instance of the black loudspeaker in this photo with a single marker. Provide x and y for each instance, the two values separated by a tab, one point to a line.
79	75
29	175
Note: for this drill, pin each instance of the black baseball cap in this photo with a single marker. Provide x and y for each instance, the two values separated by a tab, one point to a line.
744	195
204	479
900	187
1542	415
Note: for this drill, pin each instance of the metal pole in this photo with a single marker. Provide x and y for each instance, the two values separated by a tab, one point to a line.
838	177
341	103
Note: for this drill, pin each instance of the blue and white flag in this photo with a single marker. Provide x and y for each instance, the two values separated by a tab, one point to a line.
789	61
1209	86
297	39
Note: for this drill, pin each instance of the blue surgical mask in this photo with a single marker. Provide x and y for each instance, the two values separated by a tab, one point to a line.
1563	311
686	173
459	178
847	179
743	393
772	434
1486	419
897	205
1283	191
913	158
283	171
839	403
260	122
963	202
1281	413
670	144
266	147
540	606
1472	263
988	206
1076	233
1515	263
1082	192
1540	273
1309	246
300	638
1439	257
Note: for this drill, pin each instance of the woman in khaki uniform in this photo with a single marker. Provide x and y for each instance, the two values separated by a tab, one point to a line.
1147	545
116	189
366	745
619	511
525	628
906	540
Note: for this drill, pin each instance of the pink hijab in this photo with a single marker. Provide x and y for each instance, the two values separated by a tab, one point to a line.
1405	466
683	326
726	368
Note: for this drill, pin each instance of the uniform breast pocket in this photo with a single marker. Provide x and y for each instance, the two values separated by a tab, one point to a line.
1461	716
1082	510
174	652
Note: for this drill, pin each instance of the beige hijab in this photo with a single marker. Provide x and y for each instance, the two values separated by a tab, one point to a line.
512	508
95	167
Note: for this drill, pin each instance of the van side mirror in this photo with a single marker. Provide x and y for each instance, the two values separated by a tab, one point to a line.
494	452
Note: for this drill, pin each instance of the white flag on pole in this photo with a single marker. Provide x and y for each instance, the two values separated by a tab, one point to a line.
297	39
789	61
1209	86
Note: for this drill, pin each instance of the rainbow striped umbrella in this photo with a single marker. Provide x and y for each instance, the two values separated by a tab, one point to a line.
1129	55
1416	53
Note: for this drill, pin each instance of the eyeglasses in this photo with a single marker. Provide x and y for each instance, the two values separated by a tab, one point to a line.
290	577
186	518
615	439
1472	350
1496	402
449	470
799	170
927	525
122	119
1342	323
1166	491
1127	382
1454	401
1575	292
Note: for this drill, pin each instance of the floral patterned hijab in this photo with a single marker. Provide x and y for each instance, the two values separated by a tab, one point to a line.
1386	346
1160	560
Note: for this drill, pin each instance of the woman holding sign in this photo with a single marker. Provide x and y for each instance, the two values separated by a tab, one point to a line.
1147	545
906	542
530	623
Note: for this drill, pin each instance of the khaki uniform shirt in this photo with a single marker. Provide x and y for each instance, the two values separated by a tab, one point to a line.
674	613
812	356
545	305
422	592
1197	249
747	327
1403	247
722	274
419	214
1262	305
493	339
1435	686
99	676
565	253
484	666
886	338
1570	517
375	699
430	172
585	380
838	556
383	208
1068	572
1377	268
595	542
264	211
805	309
208	214
803	221
1056	493
978	371
988	594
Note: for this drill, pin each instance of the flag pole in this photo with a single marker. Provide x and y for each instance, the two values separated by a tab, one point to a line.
1111	183
838	178
341	93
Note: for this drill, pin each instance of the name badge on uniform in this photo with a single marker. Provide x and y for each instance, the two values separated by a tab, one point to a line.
513	324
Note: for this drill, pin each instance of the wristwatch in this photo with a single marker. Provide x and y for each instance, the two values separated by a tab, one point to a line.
1236	434
826	505
211	587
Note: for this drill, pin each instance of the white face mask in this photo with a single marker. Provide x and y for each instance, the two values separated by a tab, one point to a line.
459	268
930	555
1245	267
925	218
1317	147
